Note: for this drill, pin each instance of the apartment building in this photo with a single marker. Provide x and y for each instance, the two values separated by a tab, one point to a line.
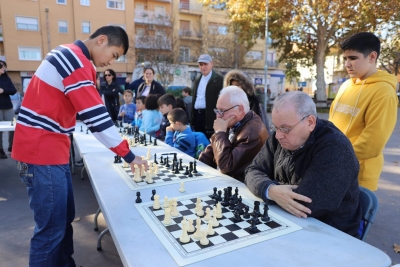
177	31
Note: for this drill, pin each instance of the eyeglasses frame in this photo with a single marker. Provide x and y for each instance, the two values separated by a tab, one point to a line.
285	130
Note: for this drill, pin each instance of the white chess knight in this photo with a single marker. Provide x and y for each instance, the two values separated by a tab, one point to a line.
182	187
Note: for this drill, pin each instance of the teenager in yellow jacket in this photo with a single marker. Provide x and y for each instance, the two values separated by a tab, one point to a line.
365	108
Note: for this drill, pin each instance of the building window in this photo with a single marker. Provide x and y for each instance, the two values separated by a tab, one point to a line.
63	2
85	2
140	32
214	28
62	26
29	53
254	55
122	58
116	4
24	23
184	54
218	51
85	27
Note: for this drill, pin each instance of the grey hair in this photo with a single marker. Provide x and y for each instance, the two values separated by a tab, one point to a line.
236	97
302	103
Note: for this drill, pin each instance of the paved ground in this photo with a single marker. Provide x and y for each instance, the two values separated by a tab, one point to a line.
16	220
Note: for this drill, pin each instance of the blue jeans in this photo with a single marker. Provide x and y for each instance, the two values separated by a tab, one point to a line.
52	202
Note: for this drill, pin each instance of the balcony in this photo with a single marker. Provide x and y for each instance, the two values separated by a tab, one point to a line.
272	64
190	59
150	17
153	42
193	35
191	8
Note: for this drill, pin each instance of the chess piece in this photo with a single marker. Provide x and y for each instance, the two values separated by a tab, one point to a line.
219	195
265	217
176	168
138	199
155	168
246	214
183	220
190	173
190	166
214	196
180	165
137	178
81	128
197	235
155	142
214	220
218	211
208	215
166	202
237	216
153	192
194	167
148	154
204	240
200	212
190	228
225	202
156	204
210	230
126	165
173	167
161	160
167	163
167	217
198	204
253	228
182	187
150	139
149	176
187	171
155	159
87	130
256	209
174	210
184	238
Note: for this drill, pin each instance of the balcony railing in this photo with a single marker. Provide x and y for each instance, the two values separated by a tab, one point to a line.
187	59
272	63
188	33
153	42
191	7
150	17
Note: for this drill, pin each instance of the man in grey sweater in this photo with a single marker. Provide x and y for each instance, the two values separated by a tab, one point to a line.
307	166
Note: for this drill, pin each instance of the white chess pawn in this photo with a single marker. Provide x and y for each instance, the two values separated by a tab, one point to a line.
210	230
156	204
142	171
200	212
148	154
137	177
190	226
174	210
218	211
126	165
184	237
155	168
204	240
167	217
149	178
214	220
198	204
166	202
197	235
184	220
182	187
208	215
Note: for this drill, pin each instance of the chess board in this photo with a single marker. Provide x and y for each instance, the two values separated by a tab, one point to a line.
164	177
229	235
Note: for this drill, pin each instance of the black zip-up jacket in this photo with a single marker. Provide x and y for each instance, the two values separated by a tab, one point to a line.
9	89
325	170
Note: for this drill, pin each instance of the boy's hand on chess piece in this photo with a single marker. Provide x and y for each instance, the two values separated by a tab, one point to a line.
138	161
169	129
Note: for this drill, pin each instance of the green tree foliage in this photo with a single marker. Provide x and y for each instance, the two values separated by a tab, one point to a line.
305	30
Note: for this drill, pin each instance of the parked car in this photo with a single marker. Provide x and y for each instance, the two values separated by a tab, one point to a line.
16	100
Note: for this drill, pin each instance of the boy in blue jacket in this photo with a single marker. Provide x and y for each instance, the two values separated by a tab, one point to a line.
127	111
179	134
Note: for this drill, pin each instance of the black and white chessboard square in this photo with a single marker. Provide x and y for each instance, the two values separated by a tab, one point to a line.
165	175
227	231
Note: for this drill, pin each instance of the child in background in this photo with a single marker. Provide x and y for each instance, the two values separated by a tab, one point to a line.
127	110
179	134
187	98
139	111
166	103
151	116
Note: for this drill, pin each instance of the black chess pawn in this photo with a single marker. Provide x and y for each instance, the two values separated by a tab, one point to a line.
176	168
237	217
265	217
145	141
219	195
236	192
190	166
155	142
138	199
173	166
187	171
256	208
194	167
255	215
161	160
246	214
240	205
87	130
81	128
253	228
214	195
180	165
190	174
150	139
155	159
153	192
167	163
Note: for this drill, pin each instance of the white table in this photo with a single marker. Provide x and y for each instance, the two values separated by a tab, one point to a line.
5	126
317	244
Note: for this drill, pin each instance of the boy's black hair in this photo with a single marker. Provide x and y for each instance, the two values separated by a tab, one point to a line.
177	114
187	90
116	36
362	42
141	98
151	102
128	91
180	103
167	99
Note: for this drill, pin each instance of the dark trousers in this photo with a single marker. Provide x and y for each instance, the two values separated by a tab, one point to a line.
199	123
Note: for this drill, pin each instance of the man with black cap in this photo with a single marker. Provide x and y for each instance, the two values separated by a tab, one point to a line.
205	95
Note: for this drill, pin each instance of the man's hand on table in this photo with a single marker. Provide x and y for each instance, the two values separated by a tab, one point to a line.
138	161
285	197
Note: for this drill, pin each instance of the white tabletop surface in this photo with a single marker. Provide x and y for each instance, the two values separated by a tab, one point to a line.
5	126
317	244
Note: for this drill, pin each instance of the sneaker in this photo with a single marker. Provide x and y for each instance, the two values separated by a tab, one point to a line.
79	163
2	154
10	149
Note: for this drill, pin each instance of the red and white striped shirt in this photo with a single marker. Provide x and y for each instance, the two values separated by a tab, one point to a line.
63	85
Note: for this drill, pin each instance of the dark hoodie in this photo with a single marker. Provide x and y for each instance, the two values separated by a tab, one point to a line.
9	89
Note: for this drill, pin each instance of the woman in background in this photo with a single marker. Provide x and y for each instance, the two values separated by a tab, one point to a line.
111	89
150	86
7	88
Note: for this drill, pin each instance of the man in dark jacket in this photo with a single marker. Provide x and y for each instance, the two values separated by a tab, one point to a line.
239	134
307	166
205	94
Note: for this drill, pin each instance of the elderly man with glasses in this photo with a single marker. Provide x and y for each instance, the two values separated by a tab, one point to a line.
307	166
239	134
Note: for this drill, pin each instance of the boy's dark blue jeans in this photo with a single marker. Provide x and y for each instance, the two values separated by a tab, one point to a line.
52	202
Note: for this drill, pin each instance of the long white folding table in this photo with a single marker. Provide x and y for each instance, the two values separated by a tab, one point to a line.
7	126
316	244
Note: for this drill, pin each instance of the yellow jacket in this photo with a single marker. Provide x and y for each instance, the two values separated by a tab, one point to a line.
366	112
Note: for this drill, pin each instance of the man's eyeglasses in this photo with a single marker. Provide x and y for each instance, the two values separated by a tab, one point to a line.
2	66
284	129
107	75
221	112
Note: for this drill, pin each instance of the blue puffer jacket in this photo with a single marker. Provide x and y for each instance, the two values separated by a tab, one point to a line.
9	89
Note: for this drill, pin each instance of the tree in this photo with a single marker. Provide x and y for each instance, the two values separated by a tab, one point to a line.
305	30
390	55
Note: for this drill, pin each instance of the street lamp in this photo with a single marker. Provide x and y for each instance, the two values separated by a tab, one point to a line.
266	56
193	76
